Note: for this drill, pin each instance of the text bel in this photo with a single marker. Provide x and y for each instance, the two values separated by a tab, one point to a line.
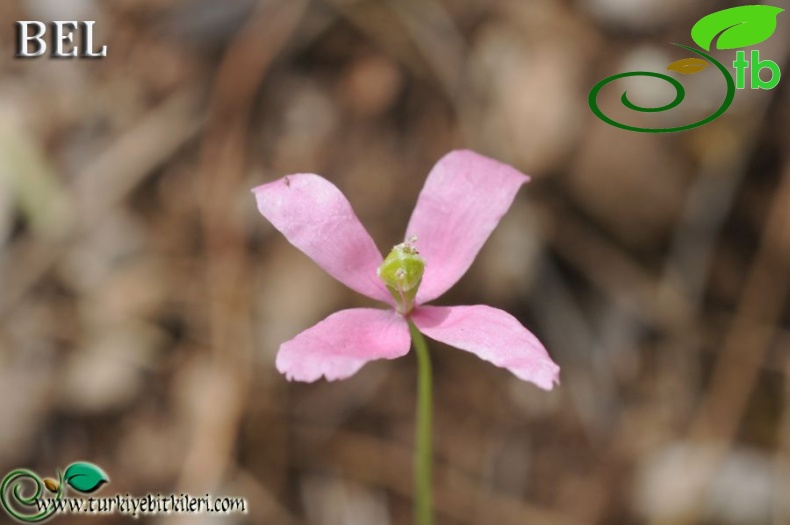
32	39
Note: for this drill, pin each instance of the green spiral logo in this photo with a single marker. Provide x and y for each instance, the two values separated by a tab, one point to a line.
680	95
15	484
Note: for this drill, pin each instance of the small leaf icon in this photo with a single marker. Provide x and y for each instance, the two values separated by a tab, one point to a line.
741	26
688	66
51	484
85	477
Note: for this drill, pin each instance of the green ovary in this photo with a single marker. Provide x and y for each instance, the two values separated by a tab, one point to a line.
402	272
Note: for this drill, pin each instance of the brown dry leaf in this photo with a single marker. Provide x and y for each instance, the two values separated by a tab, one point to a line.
688	66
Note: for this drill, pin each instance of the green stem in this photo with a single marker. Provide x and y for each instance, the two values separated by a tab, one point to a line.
423	514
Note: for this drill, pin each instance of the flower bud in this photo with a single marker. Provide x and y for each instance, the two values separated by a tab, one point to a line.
402	272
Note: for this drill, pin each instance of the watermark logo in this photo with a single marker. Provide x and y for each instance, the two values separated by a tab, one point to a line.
736	28
83	477
28	498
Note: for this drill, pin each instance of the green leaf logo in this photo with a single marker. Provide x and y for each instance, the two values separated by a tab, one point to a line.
742	26
85	477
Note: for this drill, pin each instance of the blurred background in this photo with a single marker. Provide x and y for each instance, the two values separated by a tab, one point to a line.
143	299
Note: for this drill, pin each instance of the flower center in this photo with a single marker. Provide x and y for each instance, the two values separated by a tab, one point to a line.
402	272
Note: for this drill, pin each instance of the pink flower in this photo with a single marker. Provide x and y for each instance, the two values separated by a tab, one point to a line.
463	200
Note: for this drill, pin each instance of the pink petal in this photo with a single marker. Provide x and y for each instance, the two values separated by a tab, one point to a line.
493	335
463	200
339	345
316	218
